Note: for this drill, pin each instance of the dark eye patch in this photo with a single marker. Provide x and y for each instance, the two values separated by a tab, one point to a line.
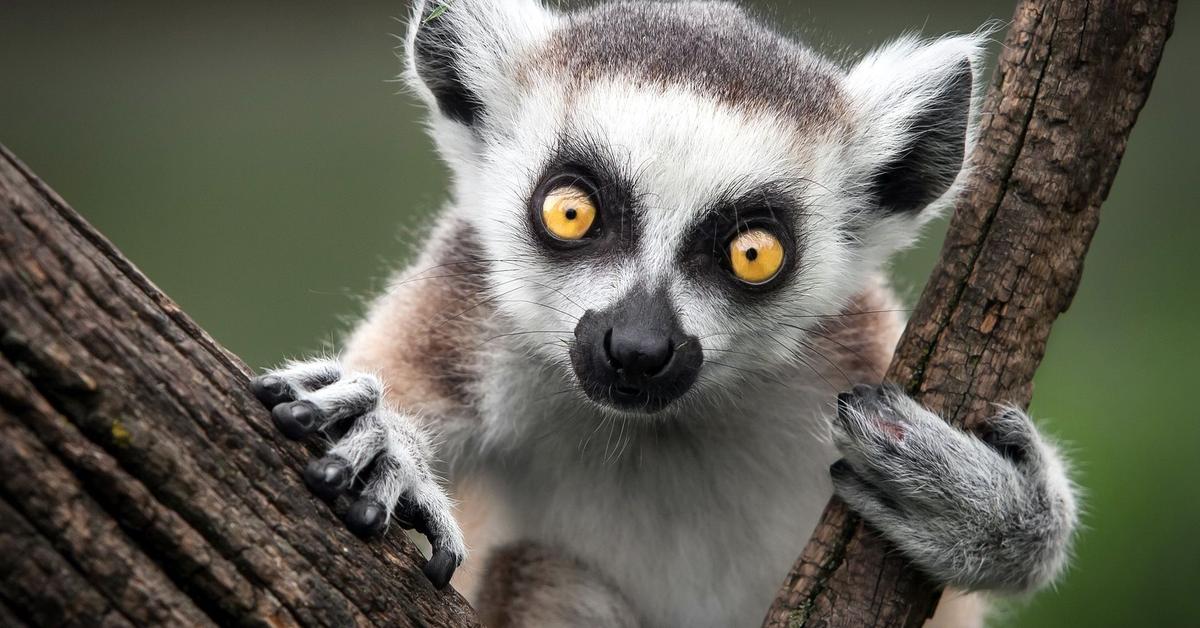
592	167
705	254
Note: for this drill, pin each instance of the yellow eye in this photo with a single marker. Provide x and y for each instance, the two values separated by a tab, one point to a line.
756	256
568	213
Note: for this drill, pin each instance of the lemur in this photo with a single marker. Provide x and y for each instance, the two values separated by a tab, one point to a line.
614	370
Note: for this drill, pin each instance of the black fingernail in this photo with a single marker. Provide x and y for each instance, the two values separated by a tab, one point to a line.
366	517
328	477
440	568
840	468
271	390
296	419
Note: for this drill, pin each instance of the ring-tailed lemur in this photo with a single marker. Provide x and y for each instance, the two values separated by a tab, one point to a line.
623	341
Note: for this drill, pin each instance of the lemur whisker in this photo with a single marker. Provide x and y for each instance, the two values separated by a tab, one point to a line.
812	348
797	355
716	350
829	337
560	292
472	261
410	280
492	339
849	314
748	372
478	304
570	317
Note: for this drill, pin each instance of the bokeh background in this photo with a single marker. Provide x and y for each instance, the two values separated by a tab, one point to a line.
257	162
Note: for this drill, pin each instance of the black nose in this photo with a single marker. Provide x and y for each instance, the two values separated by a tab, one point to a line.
637	352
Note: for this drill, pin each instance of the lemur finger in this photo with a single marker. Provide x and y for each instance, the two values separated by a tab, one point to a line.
436	516
291	381
1013	434
864	433
312	374
333	474
272	390
899	446
862	497
865	413
373	509
403	488
346	399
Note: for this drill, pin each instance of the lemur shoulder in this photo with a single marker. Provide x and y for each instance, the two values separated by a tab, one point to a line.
622	347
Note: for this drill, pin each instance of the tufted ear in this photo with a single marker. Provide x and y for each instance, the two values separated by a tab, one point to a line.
460	54
913	101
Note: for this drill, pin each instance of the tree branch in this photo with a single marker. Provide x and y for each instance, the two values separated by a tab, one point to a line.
1071	81
140	482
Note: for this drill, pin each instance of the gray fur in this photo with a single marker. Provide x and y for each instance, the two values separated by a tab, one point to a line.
715	47
967	514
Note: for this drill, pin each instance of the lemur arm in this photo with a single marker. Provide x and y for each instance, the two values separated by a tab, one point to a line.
994	513
399	387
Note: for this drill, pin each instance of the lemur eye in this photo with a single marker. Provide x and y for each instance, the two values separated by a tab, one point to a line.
755	256
568	213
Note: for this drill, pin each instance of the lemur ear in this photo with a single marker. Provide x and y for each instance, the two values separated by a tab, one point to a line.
460	53
914	101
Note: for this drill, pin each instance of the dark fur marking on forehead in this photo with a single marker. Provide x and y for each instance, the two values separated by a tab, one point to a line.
714	47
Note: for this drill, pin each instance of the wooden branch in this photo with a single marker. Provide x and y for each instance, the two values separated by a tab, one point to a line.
1072	78
140	482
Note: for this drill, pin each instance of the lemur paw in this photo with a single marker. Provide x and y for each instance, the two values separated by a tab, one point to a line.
994	513
375	447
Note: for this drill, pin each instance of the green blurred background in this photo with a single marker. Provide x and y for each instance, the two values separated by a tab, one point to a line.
255	160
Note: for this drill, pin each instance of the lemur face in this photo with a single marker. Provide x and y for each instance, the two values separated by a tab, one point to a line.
682	196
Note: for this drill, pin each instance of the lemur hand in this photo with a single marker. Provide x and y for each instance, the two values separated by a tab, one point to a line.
993	513
387	448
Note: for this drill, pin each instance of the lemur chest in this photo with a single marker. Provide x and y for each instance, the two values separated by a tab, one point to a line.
695	529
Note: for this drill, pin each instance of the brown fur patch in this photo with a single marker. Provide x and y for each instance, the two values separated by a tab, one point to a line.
861	340
526	584
421	335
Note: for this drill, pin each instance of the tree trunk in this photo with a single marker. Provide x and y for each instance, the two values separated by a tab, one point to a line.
140	482
1072	78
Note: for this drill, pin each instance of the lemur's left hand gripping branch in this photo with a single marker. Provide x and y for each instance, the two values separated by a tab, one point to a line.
139	478
1073	77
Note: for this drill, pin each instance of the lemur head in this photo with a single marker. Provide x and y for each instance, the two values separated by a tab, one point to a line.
676	188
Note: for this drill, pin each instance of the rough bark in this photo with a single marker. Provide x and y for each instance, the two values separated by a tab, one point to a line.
140	482
1072	78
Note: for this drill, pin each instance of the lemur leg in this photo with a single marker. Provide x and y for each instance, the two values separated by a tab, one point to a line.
529	585
996	514
385	446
